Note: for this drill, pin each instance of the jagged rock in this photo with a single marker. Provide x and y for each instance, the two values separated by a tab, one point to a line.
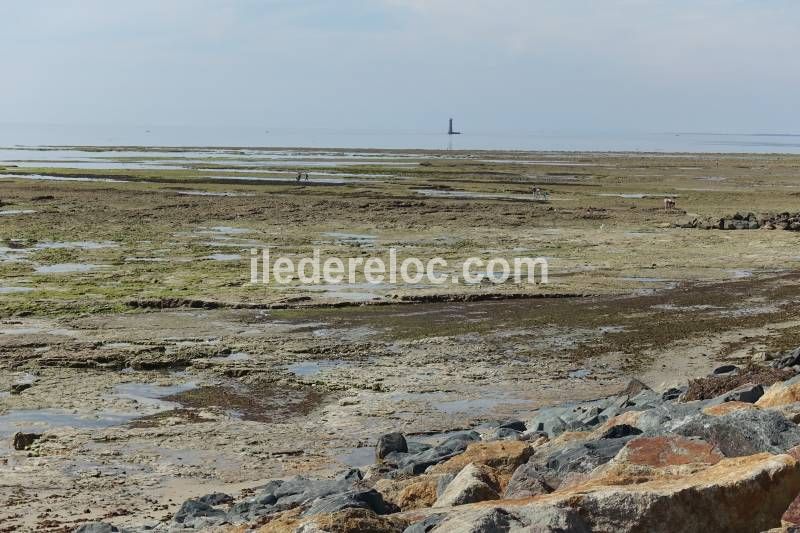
668	450
503	456
426	525
779	394
196	514
788	359
417	463
665	417
279	495
742	433
516	425
474	483
554	421
390	442
356	499
417	447
528	480
742	494
99	527
545	518
444	480
577	457
501	434
23	441
748	393
215	498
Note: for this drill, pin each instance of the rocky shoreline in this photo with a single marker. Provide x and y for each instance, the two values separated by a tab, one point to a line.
743	221
718	454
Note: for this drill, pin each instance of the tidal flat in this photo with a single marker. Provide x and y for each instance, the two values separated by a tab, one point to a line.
157	372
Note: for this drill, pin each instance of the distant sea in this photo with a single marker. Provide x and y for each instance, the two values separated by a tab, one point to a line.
40	135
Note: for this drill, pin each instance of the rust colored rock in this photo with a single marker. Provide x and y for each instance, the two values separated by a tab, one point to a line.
780	394
735	495
358	521
728	407
419	494
669	450
503	456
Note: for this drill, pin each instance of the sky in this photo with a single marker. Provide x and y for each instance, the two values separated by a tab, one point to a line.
728	66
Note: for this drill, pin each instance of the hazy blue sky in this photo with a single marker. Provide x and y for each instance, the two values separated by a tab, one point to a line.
650	65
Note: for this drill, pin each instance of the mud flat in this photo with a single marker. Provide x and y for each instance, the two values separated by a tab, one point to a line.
133	343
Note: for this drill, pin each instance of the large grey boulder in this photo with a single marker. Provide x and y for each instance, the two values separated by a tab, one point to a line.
360	499
744	432
577	457
278	495
749	393
528	480
390	442
417	463
661	419
194	513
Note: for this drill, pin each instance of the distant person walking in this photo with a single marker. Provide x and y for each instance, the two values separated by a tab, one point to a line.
540	194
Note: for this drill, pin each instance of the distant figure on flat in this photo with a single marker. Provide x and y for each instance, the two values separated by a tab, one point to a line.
540	194
299	176
306	176
669	204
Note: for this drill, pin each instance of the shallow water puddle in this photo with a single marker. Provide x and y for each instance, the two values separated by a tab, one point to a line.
145	259
288	178
43	177
636	195
351	238
357	457
80	245
209	193
66	268
14	290
438	400
40	420
474	195
8	212
312	368
151	395
646	279
223	257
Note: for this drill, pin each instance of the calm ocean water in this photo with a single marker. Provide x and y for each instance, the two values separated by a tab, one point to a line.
29	135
